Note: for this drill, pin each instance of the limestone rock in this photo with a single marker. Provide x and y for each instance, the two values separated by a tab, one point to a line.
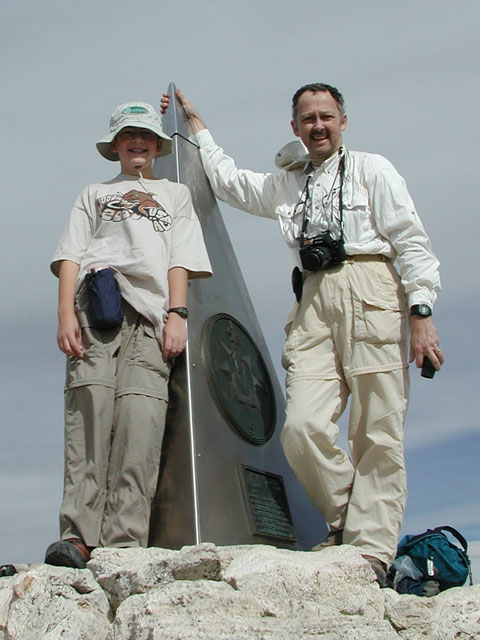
53	602
200	562
123	572
183	609
215	611
204	592
336	580
452	615
6	595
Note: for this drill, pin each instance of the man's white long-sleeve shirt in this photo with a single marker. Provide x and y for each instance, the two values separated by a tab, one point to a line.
379	216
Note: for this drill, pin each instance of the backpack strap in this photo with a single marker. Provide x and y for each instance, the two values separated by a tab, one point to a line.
454	533
464	544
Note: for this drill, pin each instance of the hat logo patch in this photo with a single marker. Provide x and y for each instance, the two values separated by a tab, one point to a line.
134	109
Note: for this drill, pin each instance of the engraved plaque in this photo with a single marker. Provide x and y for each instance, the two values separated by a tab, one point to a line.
240	379
267	503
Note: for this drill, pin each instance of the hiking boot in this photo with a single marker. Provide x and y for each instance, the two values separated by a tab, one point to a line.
71	552
7	570
379	568
333	539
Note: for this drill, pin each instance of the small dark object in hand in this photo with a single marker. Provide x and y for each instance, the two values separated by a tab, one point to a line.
428	370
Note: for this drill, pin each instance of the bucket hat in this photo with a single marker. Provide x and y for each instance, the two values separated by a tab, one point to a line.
134	114
292	156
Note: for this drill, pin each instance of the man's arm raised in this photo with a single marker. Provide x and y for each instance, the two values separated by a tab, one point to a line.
246	190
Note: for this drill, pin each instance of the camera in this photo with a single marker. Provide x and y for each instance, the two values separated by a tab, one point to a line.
322	252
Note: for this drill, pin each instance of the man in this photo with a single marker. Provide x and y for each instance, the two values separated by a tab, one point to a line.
346	217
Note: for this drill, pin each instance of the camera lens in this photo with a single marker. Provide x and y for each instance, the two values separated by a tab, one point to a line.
316	258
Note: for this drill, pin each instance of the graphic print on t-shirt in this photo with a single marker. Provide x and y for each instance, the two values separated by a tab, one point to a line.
135	205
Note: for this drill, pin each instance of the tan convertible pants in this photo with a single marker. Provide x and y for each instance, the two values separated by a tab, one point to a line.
348	338
115	406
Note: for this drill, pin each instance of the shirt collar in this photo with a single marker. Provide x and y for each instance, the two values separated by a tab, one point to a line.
328	166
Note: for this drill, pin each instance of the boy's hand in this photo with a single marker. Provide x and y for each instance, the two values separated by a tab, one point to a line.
195	122
174	336
69	335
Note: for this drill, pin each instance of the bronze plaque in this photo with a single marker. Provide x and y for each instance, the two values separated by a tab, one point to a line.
240	379
267	503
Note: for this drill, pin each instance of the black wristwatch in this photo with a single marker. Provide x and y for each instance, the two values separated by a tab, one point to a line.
181	311
422	310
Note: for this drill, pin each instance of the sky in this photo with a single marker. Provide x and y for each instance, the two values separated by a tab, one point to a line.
409	75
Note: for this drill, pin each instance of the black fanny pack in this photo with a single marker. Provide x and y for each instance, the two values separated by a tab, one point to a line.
104	299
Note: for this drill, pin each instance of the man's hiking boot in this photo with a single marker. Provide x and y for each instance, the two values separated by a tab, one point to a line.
333	539
379	568
68	553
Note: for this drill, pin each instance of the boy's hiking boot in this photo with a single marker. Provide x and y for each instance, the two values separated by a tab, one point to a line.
379	568
68	553
333	539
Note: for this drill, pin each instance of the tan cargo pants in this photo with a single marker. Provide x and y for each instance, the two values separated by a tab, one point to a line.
348	339
115	407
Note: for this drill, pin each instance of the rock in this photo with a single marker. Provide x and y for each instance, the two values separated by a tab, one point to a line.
215	611
200	562
123	572
185	609
453	614
323	583
6	595
52	602
204	592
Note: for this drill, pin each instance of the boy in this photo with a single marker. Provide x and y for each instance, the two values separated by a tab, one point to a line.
145	233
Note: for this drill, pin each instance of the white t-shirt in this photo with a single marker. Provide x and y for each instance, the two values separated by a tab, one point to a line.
141	229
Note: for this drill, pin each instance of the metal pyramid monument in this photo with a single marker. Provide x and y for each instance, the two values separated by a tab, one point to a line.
223	476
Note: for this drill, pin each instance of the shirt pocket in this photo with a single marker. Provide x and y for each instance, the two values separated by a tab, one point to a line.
290	218
357	216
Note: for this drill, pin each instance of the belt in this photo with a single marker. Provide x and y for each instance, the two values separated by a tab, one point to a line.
359	257
364	257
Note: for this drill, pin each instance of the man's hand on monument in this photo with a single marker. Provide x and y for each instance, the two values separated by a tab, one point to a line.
424	342
193	119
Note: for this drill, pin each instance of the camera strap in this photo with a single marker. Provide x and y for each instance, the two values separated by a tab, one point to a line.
341	170
307	198
306	203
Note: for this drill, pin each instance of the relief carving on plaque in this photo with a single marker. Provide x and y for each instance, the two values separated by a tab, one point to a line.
239	378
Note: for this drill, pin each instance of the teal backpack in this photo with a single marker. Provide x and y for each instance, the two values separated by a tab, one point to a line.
429	558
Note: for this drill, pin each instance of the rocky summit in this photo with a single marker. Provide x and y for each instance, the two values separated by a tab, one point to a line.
235	593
